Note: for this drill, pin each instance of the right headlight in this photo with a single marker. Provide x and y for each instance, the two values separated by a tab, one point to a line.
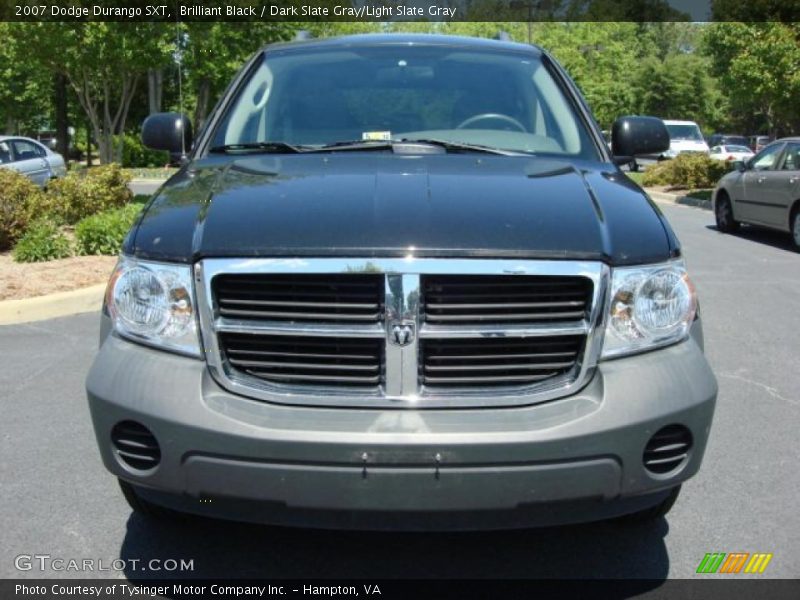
650	306
153	303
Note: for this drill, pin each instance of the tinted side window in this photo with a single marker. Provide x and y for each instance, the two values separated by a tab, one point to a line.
26	150
5	153
791	159
765	160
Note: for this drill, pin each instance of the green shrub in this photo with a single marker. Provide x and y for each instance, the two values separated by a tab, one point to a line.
691	171
104	233
42	241
137	155
19	200
80	195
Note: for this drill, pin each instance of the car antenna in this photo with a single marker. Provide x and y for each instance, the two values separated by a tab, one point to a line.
503	36
303	35
179	60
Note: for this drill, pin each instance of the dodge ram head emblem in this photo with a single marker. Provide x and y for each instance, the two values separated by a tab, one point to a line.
402	334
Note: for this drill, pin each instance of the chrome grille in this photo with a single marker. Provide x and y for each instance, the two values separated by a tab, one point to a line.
505	298
499	361
401	332
333	298
302	360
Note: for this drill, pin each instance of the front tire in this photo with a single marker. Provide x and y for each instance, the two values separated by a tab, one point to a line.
795	227
654	513
144	508
723	214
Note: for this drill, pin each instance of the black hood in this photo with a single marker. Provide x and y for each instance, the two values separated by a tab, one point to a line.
371	204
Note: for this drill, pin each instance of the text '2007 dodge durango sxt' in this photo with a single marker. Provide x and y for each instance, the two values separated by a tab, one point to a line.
401	282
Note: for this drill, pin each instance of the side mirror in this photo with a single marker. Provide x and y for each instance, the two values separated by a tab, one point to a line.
167	131
634	136
740	165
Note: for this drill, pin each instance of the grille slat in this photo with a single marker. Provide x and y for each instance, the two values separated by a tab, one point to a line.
495	317
322	298
275	315
466	299
305	360
497	361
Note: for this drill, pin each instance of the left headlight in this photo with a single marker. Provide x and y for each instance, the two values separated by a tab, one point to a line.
650	306
153	303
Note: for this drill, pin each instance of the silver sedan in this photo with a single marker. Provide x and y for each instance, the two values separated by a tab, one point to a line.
764	190
31	158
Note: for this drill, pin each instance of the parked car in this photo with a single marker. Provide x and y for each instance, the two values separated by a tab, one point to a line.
401	282
763	191
757	142
684	137
727	139
731	153
31	158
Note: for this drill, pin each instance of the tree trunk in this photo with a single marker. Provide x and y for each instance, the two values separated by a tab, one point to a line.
62	116
201	110
88	146
155	87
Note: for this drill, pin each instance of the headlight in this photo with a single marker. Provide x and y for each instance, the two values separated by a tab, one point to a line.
671	153
154	303
650	307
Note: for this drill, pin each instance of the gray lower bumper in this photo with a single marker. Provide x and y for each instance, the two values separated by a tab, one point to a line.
574	459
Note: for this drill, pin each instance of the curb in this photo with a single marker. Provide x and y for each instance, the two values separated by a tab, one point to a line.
672	198
60	304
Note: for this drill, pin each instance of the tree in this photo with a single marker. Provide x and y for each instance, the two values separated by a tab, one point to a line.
24	89
758	65
103	63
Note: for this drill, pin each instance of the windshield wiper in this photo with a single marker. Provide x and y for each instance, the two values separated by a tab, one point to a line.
386	144
257	147
464	147
354	145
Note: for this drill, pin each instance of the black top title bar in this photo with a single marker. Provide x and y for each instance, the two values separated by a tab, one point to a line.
399	10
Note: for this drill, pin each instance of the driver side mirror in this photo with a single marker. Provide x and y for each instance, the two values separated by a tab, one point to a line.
635	136
168	131
740	165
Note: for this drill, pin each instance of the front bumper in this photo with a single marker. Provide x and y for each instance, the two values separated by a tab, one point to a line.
574	459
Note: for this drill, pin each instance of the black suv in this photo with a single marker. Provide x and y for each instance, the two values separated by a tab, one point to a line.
401	282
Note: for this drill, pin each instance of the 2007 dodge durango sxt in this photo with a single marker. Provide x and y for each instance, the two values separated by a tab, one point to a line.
400	281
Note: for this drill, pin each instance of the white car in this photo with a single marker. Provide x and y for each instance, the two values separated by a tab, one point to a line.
684	137
731	153
31	158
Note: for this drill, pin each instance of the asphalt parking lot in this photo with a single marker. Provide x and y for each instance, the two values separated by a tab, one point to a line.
57	498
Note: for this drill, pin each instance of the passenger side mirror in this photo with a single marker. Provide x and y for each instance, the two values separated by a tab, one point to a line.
168	131
740	165
635	136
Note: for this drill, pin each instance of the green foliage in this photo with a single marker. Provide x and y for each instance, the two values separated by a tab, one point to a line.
24	89
136	155
19	200
79	195
104	233
756	64
42	241
687	171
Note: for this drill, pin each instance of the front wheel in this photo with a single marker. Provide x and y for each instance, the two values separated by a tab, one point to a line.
723	213
795	222
654	512
144	508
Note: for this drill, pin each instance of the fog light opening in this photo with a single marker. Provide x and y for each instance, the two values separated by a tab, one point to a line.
667	450
135	446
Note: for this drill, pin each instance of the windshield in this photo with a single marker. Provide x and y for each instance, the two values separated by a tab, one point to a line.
317	98
737	149
684	132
